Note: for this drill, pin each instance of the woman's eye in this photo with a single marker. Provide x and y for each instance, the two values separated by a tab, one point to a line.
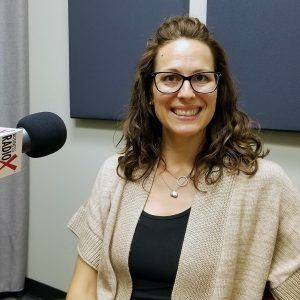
170	78
200	78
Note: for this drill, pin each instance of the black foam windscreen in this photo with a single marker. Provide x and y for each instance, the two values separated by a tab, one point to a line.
47	133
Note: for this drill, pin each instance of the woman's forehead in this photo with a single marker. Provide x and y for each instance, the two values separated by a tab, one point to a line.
184	53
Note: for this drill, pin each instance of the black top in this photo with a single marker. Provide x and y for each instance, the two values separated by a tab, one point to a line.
154	255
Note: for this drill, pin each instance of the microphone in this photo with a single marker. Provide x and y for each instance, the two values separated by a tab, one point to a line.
43	133
37	135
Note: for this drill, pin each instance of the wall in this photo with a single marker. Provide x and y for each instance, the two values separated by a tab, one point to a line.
59	183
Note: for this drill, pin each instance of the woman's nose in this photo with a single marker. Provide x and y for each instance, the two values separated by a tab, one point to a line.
186	90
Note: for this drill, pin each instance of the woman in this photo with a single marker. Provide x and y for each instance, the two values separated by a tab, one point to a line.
190	209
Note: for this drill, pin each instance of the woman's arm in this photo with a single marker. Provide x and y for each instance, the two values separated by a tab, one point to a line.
84	282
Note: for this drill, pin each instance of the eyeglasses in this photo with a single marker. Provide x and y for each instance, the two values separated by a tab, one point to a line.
170	82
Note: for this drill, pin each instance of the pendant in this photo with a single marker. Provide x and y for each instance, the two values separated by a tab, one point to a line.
182	181
174	194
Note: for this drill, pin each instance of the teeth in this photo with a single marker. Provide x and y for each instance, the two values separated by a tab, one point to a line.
183	112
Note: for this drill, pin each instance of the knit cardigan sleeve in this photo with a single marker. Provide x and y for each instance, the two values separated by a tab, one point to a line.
88	223
284	275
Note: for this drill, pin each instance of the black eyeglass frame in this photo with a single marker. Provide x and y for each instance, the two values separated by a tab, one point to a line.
189	78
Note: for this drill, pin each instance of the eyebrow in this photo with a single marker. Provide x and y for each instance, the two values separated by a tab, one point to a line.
194	72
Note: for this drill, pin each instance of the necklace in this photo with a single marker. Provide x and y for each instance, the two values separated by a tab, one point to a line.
181	182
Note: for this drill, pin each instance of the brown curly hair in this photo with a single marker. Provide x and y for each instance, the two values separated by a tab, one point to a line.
230	143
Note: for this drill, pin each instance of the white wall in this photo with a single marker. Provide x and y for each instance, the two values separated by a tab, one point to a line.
59	183
198	9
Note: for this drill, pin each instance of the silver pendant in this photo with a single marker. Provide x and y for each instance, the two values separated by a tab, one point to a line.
174	194
182	181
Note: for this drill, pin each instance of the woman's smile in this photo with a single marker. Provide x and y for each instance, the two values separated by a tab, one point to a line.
186	112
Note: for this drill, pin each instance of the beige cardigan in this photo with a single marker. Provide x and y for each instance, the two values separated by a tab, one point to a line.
241	233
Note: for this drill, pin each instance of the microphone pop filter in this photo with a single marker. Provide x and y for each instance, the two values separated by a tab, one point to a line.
47	133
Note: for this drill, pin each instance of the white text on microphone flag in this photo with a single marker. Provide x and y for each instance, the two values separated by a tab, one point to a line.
10	151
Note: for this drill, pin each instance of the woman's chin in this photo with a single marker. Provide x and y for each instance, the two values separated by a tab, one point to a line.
186	133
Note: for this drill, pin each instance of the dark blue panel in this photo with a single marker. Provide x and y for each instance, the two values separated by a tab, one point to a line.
262	39
106	40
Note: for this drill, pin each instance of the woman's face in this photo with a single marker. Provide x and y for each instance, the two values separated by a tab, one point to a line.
185	113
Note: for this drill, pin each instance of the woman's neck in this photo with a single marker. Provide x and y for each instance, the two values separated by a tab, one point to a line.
179	154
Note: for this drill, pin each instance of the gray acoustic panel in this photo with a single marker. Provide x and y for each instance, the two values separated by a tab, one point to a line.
106	41
262	39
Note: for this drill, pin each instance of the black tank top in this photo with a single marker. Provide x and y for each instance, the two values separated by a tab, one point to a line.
154	255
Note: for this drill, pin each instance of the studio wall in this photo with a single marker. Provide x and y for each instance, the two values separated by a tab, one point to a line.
262	39
106	37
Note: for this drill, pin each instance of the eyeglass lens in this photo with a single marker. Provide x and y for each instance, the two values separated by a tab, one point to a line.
168	82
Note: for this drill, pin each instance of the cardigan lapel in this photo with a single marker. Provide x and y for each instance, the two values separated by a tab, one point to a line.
133	200
202	244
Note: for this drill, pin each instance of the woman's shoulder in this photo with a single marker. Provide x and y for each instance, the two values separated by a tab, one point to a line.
110	163
266	166
108	174
271	173
270	169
